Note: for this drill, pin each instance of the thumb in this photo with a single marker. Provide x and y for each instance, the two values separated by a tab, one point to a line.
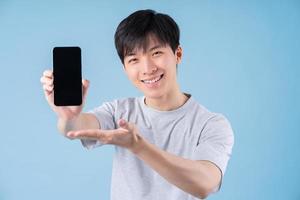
85	86
130	127
124	124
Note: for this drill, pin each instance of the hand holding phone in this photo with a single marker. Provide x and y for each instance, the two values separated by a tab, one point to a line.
64	112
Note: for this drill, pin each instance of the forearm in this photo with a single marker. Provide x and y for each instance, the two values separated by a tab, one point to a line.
188	175
64	125
82	121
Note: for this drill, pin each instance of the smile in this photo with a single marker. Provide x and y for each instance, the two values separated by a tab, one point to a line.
156	79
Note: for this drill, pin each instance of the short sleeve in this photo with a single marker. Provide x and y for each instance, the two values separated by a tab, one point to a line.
215	142
105	116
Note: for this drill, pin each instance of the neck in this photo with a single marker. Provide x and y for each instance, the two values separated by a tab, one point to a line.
168	102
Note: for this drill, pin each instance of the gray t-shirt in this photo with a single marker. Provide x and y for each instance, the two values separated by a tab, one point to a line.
191	132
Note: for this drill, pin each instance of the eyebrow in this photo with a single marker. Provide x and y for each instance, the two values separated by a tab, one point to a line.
155	47
130	54
133	53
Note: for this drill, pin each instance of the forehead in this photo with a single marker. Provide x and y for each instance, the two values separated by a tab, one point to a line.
143	45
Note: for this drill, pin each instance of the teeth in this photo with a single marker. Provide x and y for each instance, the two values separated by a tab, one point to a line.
153	80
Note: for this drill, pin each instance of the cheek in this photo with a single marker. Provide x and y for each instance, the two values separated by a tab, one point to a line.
168	64
162	62
132	75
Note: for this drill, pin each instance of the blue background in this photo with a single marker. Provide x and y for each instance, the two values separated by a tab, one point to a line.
241	58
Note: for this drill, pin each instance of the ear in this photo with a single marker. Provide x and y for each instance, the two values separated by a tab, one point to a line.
178	54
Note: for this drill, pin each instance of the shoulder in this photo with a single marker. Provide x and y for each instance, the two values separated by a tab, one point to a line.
210	122
196	107
198	112
217	128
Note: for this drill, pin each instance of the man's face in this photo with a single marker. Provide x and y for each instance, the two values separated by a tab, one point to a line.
153	72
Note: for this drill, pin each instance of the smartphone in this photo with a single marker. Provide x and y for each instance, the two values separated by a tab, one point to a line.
67	76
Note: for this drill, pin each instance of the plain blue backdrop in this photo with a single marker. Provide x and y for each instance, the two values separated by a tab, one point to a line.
241	58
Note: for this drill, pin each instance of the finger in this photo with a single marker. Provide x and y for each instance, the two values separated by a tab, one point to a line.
48	88
48	73
105	136
47	93
85	134
85	83
124	124
46	80
129	127
85	86
108	136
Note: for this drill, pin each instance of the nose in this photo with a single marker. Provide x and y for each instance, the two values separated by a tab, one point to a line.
149	67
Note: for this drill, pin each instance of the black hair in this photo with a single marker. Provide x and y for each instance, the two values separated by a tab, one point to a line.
134	32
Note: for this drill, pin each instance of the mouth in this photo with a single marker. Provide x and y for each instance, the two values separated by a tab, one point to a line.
153	80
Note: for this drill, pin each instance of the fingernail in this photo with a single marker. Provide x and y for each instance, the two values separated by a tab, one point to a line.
70	134
122	122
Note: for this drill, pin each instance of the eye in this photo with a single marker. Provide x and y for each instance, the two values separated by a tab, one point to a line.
133	60
157	53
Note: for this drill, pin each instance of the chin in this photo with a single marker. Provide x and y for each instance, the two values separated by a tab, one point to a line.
153	94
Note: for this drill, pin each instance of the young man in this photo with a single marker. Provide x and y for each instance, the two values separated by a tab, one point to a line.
167	145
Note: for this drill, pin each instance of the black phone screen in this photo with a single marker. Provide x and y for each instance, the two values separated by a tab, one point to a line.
67	76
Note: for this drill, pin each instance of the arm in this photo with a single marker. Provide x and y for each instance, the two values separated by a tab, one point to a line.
82	121
69	117
198	178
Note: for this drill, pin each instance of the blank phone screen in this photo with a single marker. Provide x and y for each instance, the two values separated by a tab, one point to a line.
67	76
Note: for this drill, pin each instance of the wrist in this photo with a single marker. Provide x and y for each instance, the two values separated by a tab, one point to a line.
67	117
65	125
137	145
